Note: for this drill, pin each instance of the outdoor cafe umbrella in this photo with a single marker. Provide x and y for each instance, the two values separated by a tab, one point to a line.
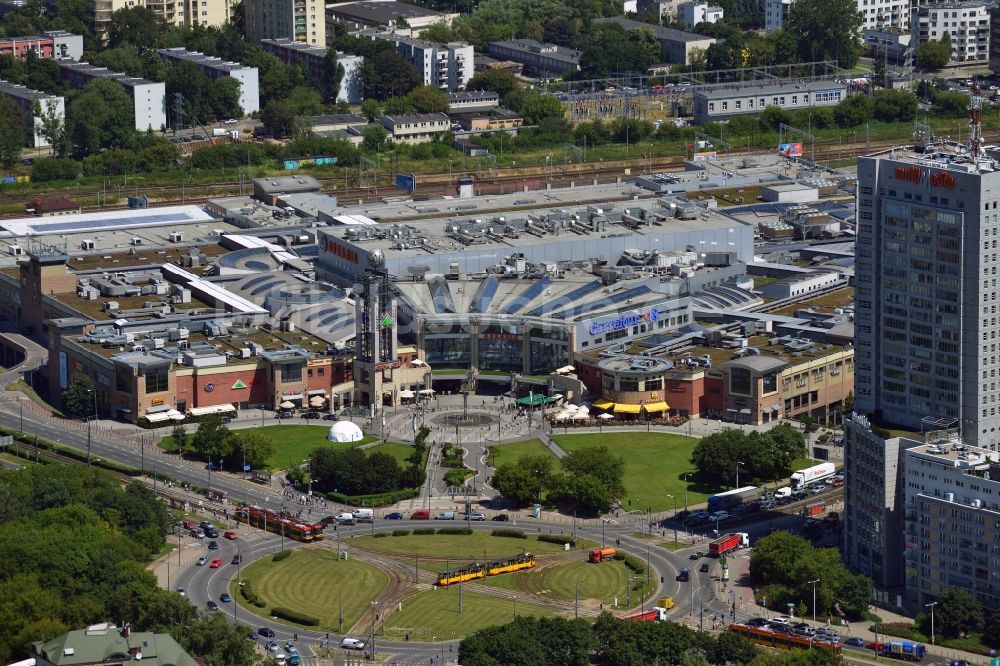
317	401
605	416
287	404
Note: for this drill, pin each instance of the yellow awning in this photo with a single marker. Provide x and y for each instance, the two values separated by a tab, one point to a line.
627	409
654	407
604	404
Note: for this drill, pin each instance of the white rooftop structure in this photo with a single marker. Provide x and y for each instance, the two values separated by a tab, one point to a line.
104	221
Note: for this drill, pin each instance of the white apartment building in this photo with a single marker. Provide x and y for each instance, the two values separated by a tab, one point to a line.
416	128
446	66
148	97
173	12
967	23
951	519
298	20
26	99
876	14
214	68
312	57
691	14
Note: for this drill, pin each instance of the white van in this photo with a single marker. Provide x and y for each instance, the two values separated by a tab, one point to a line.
352	644
783	493
345	518
364	515
281	657
445	515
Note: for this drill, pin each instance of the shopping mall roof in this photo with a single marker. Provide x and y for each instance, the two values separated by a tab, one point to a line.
104	221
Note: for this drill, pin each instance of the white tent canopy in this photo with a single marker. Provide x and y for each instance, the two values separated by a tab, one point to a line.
605	416
158	417
345	431
406	394
211	409
426	391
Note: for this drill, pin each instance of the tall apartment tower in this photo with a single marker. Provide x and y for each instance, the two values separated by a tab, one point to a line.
298	20
926	333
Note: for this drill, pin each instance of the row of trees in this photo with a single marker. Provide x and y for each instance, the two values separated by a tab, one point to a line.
608	641
761	456
782	566
223	447
355	472
590	479
75	545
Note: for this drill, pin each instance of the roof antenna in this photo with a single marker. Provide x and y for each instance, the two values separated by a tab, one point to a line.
975	124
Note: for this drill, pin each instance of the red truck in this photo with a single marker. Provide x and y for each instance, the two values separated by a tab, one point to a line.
652	615
601	554
728	542
814	510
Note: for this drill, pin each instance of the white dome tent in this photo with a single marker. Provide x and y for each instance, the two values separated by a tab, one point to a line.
345	431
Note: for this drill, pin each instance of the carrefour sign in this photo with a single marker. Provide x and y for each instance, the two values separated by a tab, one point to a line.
624	321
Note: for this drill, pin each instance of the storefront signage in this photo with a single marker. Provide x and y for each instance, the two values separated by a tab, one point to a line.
338	250
624	321
209	387
388	366
156	402
239	384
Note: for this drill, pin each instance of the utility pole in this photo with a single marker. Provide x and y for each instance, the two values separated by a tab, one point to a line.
931	605
813	583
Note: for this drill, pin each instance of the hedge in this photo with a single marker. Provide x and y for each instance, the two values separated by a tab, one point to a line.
510	534
401	533
425	530
295	616
381	499
637	566
282	555
561	539
380	535
465	531
249	595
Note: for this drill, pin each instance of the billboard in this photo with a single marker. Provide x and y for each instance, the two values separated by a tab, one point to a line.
701	157
790	149
406	181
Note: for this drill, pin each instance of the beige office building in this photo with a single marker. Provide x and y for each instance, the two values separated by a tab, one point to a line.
298	20
173	12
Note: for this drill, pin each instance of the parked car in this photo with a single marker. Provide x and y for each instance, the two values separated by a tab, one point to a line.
225	598
202	560
445	515
232	536
181	591
329	417
253	635
501	517
216	563
189	525
213	545
272	646
756	622
395	515
476	515
312	415
226	420
352	644
783	619
717	516
212	606
803	629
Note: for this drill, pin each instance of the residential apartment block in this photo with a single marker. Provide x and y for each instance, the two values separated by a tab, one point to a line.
446	66
691	14
297	20
48	45
539	59
312	57
382	14
148	103
966	23
26	100
189	13
215	68
875	14
715	105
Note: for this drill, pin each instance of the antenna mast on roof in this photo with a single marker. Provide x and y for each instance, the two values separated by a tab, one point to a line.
975	124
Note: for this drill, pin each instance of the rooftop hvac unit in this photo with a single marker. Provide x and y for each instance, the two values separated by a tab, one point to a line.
288	326
15	250
977	503
176	236
86	245
950	497
136	240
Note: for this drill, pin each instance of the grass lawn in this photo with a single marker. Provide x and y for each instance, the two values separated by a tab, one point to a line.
654	466
398	451
292	443
434	616
453	545
502	454
311	581
602	582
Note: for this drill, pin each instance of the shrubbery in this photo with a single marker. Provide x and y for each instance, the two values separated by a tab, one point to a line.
247	591
464	531
295	616
561	539
510	534
401	533
282	555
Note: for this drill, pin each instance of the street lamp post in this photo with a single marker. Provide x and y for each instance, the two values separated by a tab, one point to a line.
576	605
813	583
931	605
674	516
738	465
90	422
686	496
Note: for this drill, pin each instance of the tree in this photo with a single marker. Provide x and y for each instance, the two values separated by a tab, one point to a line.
950	104
428	99
251	446
599	463
732	648
375	137
387	74
958	613
810	21
536	108
934	54
279	118
51	126
895	106
853	110
371	109
529	641
99	118
499	81
211	438
179	435
12	133
524	480
78	398
332	74
137	26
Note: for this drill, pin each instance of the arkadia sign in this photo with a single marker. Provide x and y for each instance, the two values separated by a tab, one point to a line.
624	321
